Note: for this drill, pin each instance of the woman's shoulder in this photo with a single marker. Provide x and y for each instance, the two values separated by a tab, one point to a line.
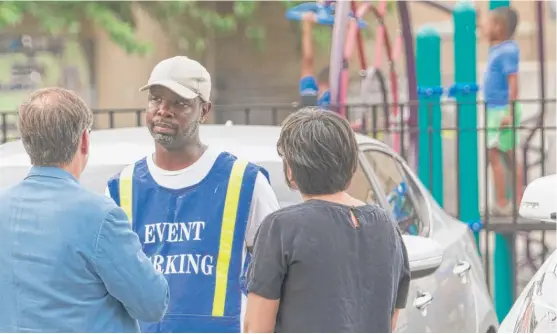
374	209
290	211
377	215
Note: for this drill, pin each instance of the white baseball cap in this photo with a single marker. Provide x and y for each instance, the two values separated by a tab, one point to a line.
182	75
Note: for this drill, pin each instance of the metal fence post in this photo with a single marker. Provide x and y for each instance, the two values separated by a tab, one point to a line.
465	62
428	70
503	289
499	3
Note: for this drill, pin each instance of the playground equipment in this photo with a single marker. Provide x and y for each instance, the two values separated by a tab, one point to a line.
426	88
324	12
430	159
347	38
342	50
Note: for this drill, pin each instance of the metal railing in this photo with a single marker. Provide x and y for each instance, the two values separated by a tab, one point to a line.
536	129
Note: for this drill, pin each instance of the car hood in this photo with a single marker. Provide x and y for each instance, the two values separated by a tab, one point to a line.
537	298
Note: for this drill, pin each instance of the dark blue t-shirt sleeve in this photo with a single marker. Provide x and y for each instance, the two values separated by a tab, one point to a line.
404	281
268	266
509	61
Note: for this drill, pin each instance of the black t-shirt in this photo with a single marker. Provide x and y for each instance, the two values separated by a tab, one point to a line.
329	275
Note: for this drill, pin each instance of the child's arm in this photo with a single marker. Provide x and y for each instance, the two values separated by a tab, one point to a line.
513	87
510	68
513	96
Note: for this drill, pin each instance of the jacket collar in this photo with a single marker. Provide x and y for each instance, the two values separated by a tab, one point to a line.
54	172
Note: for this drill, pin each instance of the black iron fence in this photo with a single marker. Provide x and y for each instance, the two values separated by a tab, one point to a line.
389	123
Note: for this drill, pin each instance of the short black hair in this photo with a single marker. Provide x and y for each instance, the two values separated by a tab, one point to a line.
323	76
508	17
321	150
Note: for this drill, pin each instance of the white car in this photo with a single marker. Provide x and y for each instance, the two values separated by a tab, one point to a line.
535	310
448	292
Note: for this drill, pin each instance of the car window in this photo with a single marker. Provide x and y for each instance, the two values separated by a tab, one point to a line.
402	193
285	195
361	189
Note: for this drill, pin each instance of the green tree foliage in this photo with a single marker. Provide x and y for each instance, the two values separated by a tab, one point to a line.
189	23
56	17
178	17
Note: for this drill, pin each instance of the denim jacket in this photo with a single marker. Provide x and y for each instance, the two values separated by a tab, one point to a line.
70	262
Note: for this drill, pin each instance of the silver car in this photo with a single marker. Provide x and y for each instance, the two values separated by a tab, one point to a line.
535	310
448	292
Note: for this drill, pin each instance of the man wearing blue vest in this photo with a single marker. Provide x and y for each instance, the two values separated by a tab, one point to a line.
196	209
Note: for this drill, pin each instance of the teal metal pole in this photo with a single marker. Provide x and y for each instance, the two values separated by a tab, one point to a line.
503	290
499	3
428	71
465	64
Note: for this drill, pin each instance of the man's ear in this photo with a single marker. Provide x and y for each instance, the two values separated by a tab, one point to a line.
85	141
289	178
205	109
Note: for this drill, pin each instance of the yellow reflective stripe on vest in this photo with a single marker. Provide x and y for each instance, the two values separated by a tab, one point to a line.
227	235
125	189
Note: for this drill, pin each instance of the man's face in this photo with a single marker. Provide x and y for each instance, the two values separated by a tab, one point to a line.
172	120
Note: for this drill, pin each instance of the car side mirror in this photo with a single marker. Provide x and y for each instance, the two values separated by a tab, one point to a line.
538	201
424	255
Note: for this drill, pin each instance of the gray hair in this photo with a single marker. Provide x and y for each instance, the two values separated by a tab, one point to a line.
321	150
51	123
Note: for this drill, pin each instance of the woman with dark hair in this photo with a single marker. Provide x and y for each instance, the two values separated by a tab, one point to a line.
331	263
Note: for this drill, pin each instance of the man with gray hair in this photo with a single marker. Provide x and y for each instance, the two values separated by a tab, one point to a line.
70	260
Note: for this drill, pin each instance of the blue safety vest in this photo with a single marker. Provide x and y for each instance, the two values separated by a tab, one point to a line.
195	236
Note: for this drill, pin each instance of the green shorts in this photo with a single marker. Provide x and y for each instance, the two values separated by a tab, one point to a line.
502	139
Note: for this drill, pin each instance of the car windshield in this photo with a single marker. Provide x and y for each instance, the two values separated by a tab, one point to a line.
95	177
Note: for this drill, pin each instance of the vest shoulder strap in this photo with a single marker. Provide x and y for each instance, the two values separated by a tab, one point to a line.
231	204
125	189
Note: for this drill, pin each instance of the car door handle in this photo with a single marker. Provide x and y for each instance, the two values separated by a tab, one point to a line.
461	270
422	301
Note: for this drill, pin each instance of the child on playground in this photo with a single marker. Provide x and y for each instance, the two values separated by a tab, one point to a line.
314	91
500	94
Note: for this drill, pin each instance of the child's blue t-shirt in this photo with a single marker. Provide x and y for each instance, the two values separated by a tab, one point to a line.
502	61
308	87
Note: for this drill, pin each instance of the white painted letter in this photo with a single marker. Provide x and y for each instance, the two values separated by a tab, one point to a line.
193	262
207	265
157	262
198	227
149	237
170	268
184	232
172	232
160	230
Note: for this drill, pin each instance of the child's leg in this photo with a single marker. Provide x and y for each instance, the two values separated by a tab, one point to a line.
509	140
493	121
498	177
518	174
